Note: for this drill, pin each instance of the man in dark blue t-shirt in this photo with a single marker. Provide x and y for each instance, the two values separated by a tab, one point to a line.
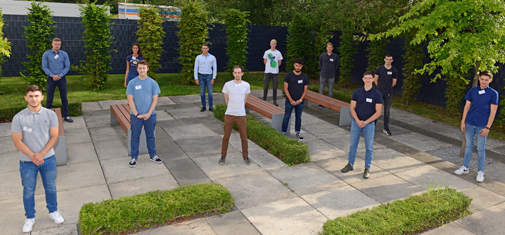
478	116
296	84
366	107
385	79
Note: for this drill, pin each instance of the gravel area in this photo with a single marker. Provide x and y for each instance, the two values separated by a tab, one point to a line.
451	154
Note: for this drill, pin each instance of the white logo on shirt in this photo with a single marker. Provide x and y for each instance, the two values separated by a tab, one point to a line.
369	100
390	73
138	87
56	56
29	130
300	81
482	92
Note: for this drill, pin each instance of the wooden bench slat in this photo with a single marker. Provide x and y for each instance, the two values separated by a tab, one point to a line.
326	101
118	111
61	130
262	107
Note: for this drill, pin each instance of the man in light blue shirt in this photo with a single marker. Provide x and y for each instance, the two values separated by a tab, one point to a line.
205	74
56	64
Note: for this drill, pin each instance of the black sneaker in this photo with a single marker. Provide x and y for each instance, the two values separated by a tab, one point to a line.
247	161
347	168
156	159
300	137
222	160
366	173
211	109
387	132
275	103
203	109
133	163
68	119
320	106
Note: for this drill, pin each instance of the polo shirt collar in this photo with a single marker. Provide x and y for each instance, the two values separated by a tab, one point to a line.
34	113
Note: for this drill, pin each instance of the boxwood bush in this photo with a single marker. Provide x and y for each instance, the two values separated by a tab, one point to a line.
289	151
74	109
129	214
413	215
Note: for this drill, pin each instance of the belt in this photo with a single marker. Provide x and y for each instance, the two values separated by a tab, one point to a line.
204	74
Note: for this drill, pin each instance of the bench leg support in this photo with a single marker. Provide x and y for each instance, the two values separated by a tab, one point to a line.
277	123
113	120
60	151
345	117
142	144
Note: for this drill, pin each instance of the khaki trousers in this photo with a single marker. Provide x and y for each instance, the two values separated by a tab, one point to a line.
229	121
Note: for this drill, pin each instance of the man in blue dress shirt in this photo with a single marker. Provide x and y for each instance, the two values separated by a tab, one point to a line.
56	64
478	116
205	74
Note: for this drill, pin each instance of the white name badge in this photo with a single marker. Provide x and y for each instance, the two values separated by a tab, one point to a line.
390	73
368	100
134	58
482	92
300	81
27	129
56	56
138	87
331	60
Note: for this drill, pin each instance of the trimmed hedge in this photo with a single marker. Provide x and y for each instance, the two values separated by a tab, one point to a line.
289	151
413	215
7	113
129	214
339	95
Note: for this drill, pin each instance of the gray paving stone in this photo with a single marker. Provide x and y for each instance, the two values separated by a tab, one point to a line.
449	229
5	129
495	171
408	117
189	132
231	223
107	103
203	146
9	162
192	227
483	198
325	130
77	136
99	118
186	99
306	178
11	186
165	101
334	165
419	142
106	133
192	112
7	144
12	222
90	107
65	229
110	149
428	176
162	115
79	175
186	172
254	189
394	161
442	128
235	165
257	154
289	216
118	170
395	130
340	201
82	152
167	149
310	119
143	185
498	149
320	150
485	221
78	124
387	188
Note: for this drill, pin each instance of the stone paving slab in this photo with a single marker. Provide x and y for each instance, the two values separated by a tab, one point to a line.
257	154
118	170
9	162
166	148
78	124
483	198
165	100
449	229
334	165
111	149
442	128
79	153
77	136
11	185
408	117
203	146
98	118
186	172
6	129
65	229
12	223
325	130
76	176
234	166
162	115
388	188
186	99
289	216
394	161
320	150
340	201
7	144
232	223
90	107
192	227
306	178
395	130
189	132
164	181
254	189
193	112
485	221
106	133
107	103
419	142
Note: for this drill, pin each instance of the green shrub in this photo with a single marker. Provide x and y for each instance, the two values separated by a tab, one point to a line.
236	32
289	151
39	36
74	109
126	214
150	36
344	95
413	61
412	215
5	45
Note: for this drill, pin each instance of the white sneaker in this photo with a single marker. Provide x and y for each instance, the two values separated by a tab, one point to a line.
480	176
28	225
462	170
56	216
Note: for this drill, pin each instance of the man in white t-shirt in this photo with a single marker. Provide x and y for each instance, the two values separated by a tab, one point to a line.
235	93
272	60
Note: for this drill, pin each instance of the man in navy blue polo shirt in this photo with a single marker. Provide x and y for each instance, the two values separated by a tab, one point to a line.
366	107
478	116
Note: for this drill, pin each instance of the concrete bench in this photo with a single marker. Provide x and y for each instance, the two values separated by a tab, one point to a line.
331	103
268	110
120	115
60	148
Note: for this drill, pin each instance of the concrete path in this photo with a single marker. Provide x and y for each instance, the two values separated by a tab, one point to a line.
271	197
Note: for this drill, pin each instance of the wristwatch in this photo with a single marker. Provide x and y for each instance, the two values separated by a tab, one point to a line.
487	128
137	115
366	122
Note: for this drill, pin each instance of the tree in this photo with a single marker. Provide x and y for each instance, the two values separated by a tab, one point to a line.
39	36
236	32
150	36
5	45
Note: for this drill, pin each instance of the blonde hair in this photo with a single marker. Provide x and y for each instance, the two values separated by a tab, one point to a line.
56	40
273	40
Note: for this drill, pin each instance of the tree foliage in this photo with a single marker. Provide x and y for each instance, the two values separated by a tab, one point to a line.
236	32
39	37
96	20
150	36
461	35
413	61
192	34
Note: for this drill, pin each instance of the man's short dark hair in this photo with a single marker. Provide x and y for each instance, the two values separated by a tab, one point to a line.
486	73
389	55
33	88
144	62
298	61
367	73
238	67
206	45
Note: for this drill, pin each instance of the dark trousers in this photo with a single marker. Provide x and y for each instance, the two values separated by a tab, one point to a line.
62	87
241	121
386	102
275	84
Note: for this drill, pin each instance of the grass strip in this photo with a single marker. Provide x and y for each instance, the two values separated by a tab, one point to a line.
8	112
289	151
130	214
415	214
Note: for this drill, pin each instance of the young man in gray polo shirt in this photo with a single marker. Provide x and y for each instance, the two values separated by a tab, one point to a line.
328	62
35	132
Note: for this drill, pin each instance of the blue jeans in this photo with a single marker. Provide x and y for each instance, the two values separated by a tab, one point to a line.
136	127
369	133
287	114
205	82
62	87
130	77
29	172
470	133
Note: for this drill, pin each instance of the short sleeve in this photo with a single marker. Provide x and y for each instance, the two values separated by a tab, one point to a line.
129	89
468	95
377	71
248	89
280	55
395	74
494	98
378	97
156	88
16	124
128	58
286	78
53	119
225	89
355	95
306	80
265	55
